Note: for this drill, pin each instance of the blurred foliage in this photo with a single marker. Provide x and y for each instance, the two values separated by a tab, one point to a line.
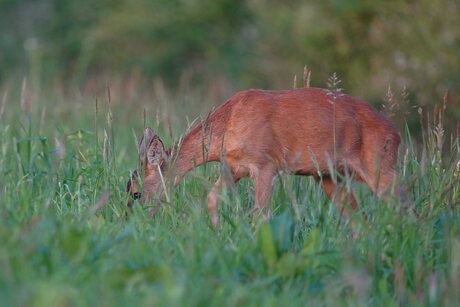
247	43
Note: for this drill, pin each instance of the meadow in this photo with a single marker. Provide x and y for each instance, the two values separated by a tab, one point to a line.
65	157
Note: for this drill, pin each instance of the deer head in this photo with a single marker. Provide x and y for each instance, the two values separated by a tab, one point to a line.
145	182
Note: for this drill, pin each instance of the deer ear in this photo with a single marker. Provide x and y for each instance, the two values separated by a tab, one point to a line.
145	141
156	154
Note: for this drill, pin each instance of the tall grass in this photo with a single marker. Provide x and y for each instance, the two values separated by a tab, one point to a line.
66	241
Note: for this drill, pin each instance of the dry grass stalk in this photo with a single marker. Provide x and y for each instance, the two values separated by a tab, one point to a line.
306	76
103	200
390	104
26	101
4	102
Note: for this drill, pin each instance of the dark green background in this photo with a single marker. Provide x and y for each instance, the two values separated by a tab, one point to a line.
243	43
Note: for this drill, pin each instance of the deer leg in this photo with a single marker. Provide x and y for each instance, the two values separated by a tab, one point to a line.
229	180
378	169
212	202
263	187
339	196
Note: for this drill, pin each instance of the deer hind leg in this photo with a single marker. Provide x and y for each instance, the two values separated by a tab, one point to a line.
386	182
381	173
263	188
339	196
378	170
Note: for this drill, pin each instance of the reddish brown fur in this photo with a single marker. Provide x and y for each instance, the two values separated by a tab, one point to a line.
258	133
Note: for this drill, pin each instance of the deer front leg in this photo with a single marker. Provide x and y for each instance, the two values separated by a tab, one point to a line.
212	202
229	178
263	188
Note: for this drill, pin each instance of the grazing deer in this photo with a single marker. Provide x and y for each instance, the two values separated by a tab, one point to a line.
258	134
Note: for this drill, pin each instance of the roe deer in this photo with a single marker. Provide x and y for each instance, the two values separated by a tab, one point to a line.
259	133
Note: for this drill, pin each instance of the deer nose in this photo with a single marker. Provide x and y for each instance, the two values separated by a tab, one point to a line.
137	195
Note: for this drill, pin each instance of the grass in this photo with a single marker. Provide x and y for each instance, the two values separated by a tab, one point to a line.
65	239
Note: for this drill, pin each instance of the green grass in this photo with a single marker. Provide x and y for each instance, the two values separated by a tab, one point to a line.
64	243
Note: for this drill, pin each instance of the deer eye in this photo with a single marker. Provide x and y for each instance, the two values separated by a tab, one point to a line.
136	195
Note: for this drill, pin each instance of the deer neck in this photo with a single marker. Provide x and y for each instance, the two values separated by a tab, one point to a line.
196	148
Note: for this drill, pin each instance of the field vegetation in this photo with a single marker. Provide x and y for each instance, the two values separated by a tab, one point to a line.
79	81
66	239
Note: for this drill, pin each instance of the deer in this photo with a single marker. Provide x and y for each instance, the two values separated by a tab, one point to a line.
260	134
